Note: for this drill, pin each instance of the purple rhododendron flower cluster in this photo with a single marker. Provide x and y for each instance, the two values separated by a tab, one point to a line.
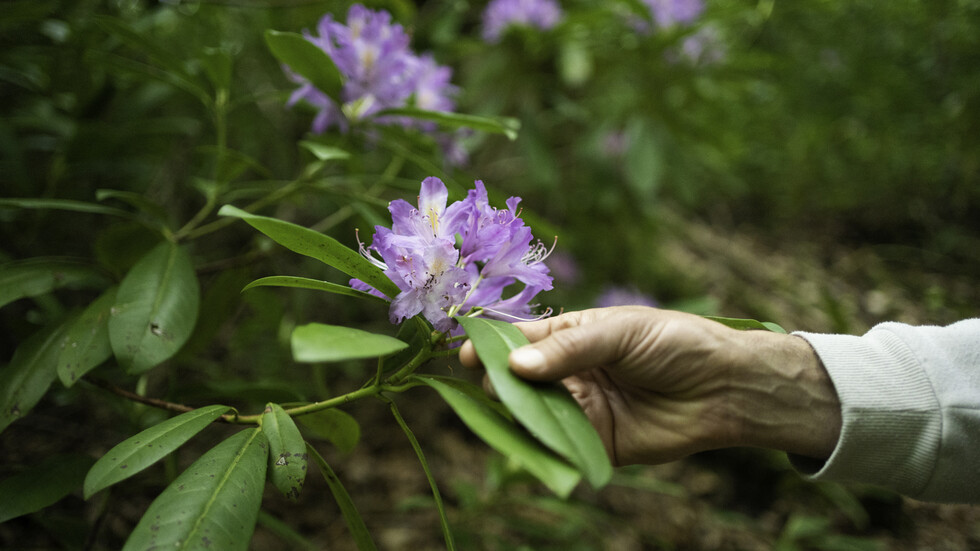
450	259
380	72
501	14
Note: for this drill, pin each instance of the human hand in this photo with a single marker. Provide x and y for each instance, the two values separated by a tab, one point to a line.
660	385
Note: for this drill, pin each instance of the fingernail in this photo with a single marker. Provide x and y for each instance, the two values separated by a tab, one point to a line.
527	358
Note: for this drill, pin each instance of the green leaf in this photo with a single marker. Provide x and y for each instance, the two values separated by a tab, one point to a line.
287	451
232	163
498	125
161	55
319	246
747	324
315	284
308	60
548	412
149	446
318	342
217	63
334	425
156	308
436	495
36	276
156	212
353	519
506	437
324	152
291	537
214	504
86	344
31	371
475	392
64	204
43	484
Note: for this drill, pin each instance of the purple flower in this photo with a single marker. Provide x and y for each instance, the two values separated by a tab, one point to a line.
613	295
502	14
564	268
457	258
668	13
704	46
380	71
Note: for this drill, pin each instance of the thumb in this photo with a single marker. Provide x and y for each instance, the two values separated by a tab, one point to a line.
568	351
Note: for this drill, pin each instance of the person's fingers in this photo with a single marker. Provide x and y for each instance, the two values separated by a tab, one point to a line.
569	350
533	330
537	330
488	387
467	355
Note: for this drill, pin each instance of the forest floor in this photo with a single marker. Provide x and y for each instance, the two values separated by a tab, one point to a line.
741	499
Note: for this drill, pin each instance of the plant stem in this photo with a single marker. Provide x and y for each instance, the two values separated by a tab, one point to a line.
443	519
258	204
157	403
371	390
358	394
423	355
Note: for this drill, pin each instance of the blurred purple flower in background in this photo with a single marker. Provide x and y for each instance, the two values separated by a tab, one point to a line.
613	295
703	46
564	268
499	15
450	259
668	13
380	71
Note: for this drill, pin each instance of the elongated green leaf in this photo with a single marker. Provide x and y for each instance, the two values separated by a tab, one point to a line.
316	245
290	536
447	532
507	438
234	163
162	56
548	412
142	70
86	344
324	152
355	523
214	504
156	308
217	63
37	276
31	371
63	204
337	426
747	324
149	446
475	392
306	59
315	284
41	485
287	451
318	342
499	125
153	210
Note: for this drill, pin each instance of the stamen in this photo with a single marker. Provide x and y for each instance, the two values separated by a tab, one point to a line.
538	252
366	253
547	312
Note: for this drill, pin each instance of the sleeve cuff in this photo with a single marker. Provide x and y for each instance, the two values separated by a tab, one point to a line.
892	425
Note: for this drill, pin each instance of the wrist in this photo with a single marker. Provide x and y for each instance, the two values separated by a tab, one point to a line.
782	397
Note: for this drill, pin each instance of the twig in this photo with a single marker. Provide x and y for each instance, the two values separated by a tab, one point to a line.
155	402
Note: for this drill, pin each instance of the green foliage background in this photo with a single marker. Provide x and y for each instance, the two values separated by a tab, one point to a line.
824	174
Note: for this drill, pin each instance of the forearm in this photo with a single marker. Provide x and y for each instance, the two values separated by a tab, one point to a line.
782	397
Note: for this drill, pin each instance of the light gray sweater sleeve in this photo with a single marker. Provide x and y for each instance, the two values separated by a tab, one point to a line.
910	405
